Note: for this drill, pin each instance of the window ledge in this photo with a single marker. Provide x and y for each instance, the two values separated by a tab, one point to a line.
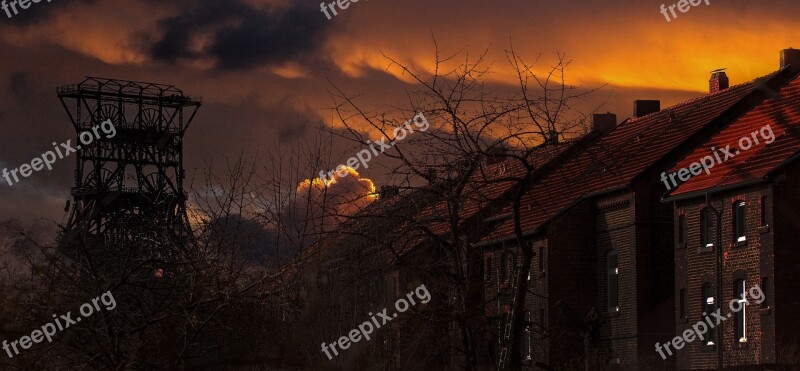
765	311
742	243
764	229
706	248
683	320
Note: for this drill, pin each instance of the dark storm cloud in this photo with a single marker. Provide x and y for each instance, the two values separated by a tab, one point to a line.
256	36
37	13
178	30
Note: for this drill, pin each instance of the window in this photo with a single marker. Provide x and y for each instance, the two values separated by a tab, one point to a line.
613	279
489	270
541	320
739	221
682	303
707	308
504	266
764	210
741	315
529	335
531	280
541	259
706	234
682	228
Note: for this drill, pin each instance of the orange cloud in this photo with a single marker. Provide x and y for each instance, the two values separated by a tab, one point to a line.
320	205
630	46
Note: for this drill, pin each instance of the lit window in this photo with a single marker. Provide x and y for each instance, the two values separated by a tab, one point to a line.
741	317
739	221
708	308
613	280
706	234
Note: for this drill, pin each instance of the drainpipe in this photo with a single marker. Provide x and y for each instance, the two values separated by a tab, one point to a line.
718	269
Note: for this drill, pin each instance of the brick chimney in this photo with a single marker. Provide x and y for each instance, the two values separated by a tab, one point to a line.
719	81
645	107
604	122
791	57
553	137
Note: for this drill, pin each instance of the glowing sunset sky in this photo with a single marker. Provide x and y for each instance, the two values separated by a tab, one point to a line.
261	66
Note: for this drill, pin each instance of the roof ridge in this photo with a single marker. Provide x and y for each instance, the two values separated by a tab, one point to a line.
706	96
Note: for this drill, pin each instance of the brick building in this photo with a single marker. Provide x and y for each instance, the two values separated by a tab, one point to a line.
602	281
736	230
619	265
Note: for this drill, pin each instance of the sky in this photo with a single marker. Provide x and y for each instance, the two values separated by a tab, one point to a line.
265	68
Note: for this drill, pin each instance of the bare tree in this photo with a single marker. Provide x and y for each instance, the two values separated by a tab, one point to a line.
183	302
473	127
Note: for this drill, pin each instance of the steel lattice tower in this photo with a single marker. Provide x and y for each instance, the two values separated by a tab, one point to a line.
129	187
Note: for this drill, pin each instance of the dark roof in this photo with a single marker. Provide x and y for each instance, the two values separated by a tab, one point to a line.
488	184
616	160
777	119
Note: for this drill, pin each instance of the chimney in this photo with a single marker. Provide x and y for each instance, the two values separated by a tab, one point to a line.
645	107
604	122
719	81
494	155
553	138
388	192
791	57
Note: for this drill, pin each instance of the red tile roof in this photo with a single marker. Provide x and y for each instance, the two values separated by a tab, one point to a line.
778	118
614	161
487	185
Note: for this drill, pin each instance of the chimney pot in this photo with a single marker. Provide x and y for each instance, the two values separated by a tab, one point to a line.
719	81
604	122
791	57
645	107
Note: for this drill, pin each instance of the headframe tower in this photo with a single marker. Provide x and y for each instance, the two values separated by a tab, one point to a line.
129	187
